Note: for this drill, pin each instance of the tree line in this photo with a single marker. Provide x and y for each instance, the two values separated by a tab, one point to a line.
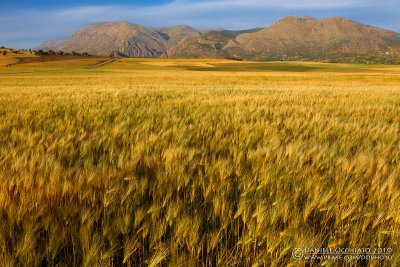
40	52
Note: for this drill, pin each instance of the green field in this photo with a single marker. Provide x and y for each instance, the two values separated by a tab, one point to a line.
160	162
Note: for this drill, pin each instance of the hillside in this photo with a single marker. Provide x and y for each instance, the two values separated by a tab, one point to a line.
306	37
103	39
174	35
208	45
291	38
122	39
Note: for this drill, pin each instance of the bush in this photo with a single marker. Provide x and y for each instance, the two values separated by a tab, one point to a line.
41	53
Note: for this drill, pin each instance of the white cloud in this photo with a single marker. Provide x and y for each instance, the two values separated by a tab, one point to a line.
234	14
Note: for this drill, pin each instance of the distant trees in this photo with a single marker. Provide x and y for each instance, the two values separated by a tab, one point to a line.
39	52
3	47
4	53
234	58
58	53
80	54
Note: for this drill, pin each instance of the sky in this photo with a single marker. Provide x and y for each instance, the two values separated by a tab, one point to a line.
27	23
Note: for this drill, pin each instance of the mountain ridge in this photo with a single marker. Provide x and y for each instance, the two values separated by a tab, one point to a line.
290	38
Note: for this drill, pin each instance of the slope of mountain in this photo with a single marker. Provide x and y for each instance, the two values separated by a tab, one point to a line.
50	45
309	38
291	38
106	38
209	44
175	34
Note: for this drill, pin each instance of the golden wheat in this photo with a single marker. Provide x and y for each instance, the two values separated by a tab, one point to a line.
187	168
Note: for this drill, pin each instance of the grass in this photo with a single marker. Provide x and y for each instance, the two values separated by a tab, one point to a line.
149	162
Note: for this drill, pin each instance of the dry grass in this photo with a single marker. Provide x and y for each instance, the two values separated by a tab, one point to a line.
186	168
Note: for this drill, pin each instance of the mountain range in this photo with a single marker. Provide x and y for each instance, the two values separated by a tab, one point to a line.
291	38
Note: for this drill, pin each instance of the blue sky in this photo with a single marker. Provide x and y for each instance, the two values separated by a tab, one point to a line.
27	23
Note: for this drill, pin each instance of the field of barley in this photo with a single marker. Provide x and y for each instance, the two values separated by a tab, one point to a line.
162	162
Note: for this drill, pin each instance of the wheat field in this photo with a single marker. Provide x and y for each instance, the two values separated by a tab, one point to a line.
197	162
